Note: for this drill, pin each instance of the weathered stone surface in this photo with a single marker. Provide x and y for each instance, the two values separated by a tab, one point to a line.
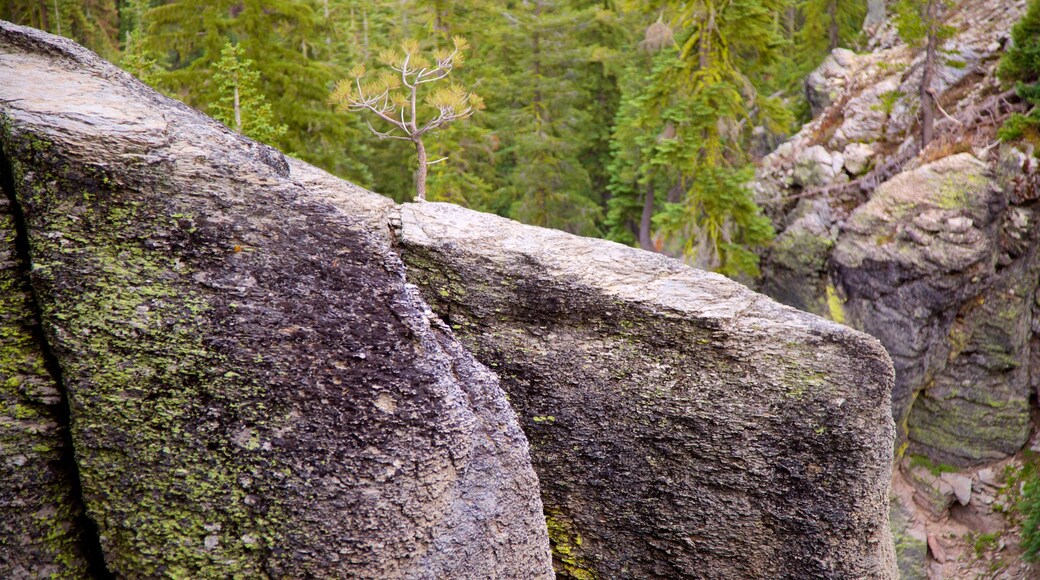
816	166
911	544
923	245
681	425
255	390
39	504
795	270
976	408
825	83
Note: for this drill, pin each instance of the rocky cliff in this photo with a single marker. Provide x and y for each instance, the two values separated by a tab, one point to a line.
932	251
219	361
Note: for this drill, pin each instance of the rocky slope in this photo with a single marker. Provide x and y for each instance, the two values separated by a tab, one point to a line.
214	364
934	252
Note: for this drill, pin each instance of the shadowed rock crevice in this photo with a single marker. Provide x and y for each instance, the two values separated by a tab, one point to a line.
40	395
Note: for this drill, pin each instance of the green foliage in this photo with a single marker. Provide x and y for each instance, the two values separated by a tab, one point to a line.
1021	64
393	99
916	19
281	38
683	131
935	469
1020	495
592	103
241	106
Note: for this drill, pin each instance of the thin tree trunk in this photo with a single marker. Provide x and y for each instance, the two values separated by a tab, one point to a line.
328	25
832	30
44	20
927	98
420	172
644	221
364	28
57	16
238	112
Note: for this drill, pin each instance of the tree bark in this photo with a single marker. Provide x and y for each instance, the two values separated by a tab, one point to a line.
44	20
644	221
927	98
238	112
832	30
420	173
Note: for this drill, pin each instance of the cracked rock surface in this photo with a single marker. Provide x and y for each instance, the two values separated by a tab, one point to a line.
681	425
254	388
257	384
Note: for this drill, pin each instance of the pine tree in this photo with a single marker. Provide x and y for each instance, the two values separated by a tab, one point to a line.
393	98
684	134
828	24
1021	64
544	116
284	39
920	24
241	106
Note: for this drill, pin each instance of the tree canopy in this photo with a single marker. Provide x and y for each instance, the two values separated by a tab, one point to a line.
627	119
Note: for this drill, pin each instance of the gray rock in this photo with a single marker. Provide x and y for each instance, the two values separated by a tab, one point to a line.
867	114
681	425
911	543
961	485
795	268
905	276
816	166
255	389
931	492
857	158
39	503
824	84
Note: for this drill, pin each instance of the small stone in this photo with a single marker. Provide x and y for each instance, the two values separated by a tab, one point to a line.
961	486
211	542
936	549
857	158
986	476
959	225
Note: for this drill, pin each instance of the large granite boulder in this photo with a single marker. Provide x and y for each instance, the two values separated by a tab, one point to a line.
255	390
681	425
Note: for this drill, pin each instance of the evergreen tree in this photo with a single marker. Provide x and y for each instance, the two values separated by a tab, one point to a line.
544	179
827	25
920	24
393	98
241	106
281	38
1021	64
684	133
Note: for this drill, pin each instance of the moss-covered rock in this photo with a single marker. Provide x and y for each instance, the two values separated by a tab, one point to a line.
907	259
40	511
254	389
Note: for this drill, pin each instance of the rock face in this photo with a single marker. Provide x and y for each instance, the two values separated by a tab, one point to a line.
927	239
40	511
217	352
681	425
254	388
934	252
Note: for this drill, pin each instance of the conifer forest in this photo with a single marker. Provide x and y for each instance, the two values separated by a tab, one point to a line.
631	120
